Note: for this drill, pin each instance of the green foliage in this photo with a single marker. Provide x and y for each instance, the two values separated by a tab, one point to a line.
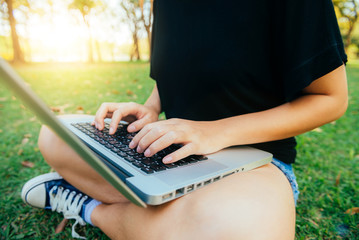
84	6
327	165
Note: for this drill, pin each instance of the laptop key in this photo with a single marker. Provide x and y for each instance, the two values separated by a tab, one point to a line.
147	170
137	164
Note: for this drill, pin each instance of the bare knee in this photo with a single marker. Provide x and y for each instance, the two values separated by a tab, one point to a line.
50	146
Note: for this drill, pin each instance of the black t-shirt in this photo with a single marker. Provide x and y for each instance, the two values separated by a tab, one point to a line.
215	59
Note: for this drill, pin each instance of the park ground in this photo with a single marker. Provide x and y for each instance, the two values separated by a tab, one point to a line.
327	166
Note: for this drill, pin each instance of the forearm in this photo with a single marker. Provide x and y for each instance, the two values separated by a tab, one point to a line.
288	120
323	101
154	101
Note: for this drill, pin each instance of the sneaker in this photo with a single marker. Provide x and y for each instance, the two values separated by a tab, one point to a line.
51	191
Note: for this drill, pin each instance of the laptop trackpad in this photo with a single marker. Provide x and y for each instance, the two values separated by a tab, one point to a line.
188	173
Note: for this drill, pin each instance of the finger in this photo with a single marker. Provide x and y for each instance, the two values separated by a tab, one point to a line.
120	113
136	139
138	124
161	143
150	137
102	112
181	153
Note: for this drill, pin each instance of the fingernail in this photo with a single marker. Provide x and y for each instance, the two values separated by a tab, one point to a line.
131	128
139	150
93	123
147	153
167	159
132	144
111	130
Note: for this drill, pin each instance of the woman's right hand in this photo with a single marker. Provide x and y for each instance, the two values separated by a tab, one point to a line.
136	114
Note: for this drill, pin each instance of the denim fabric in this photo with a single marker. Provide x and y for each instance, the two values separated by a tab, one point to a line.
288	172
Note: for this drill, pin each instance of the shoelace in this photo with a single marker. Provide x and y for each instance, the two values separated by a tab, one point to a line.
70	204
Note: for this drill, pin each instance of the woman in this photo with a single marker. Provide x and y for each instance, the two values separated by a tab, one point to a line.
252	73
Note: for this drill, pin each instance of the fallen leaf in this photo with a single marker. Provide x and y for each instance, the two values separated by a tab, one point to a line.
20	151
135	80
28	135
319	130
13	98
60	109
61	225
337	180
22	106
129	92
79	108
352	211
139	86
55	109
24	140
114	91
27	164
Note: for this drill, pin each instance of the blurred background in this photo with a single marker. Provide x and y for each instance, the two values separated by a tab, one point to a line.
75	30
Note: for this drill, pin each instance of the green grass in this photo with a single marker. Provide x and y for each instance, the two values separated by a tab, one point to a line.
327	164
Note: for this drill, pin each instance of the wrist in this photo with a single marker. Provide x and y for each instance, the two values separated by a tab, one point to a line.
154	108
153	102
217	137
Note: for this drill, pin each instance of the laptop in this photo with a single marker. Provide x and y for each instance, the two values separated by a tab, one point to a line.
143	181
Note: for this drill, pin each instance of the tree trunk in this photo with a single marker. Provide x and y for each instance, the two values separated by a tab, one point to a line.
18	54
148	24
148	30
136	49
348	40
90	52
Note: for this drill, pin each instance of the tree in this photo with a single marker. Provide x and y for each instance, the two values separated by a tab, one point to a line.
11	5
85	7
133	18
146	17
348	12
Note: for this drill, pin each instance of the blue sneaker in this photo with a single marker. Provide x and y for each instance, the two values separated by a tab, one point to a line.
51	191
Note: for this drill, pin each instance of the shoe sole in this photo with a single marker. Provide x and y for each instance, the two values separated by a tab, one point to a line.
34	182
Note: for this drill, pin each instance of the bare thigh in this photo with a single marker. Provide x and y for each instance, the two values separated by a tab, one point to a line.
257	204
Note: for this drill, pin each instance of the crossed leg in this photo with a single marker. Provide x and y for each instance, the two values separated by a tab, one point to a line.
257	204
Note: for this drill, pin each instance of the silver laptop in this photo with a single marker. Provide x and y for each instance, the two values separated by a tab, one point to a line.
141	180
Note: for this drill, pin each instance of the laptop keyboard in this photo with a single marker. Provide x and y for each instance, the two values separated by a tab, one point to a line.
118	143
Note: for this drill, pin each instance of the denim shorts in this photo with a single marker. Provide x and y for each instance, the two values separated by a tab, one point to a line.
288	172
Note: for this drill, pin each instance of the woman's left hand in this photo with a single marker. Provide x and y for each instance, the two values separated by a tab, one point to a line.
194	136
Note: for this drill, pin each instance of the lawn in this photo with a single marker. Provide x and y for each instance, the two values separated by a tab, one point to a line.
327	166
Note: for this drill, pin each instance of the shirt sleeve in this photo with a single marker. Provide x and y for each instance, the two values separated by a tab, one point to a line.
312	44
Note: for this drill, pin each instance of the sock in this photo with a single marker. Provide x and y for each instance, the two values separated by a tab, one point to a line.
88	208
